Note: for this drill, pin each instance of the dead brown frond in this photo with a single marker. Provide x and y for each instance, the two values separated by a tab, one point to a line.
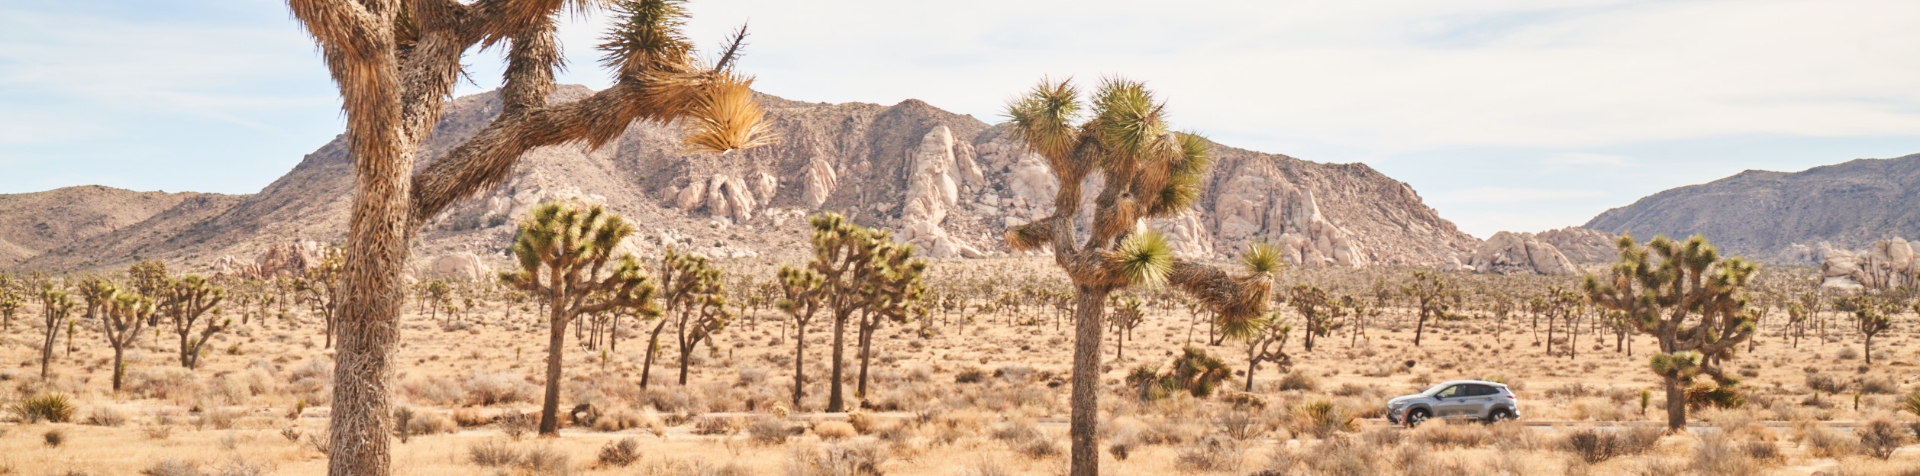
724	117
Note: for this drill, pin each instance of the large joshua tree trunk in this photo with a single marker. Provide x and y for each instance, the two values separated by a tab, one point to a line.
1676	404
556	341
836	401
1090	306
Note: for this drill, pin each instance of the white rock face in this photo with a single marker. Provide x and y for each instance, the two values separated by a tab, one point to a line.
725	196
820	182
1519	253
931	194
1888	264
461	267
1186	234
1258	207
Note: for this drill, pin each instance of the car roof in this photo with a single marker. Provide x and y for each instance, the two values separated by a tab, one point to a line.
1481	382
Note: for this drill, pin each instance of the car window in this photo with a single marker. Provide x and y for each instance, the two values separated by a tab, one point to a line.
1450	392
1482	390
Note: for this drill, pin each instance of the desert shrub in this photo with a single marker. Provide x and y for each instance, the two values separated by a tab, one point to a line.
493	453
1297	380
1570	391
170	383
862	422
768	430
545	461
1847	353
1638	439
1037	447
1211	453
833	430
54	438
987	467
1592	446
515	424
1824	383
429	423
218	418
1321	418
618	420
970	375
1597	409
1719	454
239	466
1822	441
499	388
172	467
106	416
1441	435
157	432
1343	456
858	459
1511	436
620	453
1280	462
1878	385
468	418
1705	395
715	425
1241	425
52	407
1880	437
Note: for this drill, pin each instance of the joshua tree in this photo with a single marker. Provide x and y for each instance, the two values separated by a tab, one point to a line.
1871	316
853	271
696	301
434	295
9	303
124	316
564	252
1125	317
1560	305
1267	342
55	306
184	301
1144	170
320	285
896	293
1691	300
689	287
1435	299
1318	309
803	290
396	63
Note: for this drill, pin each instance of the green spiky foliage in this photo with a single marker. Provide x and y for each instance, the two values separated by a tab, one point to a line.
1193	371
1687	297
1432	296
567	258
10	302
124	315
1871	316
1267	343
695	298
855	270
1127	314
1318	310
149	277
55	307
184	302
1145	170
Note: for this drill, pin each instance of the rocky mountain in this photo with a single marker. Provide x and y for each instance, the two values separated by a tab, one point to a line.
948	182
1781	217
67	220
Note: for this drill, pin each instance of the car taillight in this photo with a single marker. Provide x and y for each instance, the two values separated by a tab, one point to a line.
1511	397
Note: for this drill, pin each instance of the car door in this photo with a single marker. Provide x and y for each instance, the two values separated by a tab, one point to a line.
1479	400
1451	401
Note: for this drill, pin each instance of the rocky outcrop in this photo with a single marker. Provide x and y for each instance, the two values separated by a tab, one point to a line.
289	258
459	267
1260	206
1888	264
723	195
1519	253
1581	245
1762	214
931	193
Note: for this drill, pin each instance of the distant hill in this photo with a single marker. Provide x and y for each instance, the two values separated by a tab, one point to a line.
1763	214
860	159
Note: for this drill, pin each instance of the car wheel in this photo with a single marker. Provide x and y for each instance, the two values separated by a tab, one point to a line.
1416	417
1500	415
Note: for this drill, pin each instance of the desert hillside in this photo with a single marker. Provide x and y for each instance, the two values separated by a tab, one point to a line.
1763	214
861	159
61	221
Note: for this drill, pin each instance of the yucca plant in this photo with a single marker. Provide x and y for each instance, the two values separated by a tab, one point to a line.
1146	170
566	257
51	407
396	63
1691	300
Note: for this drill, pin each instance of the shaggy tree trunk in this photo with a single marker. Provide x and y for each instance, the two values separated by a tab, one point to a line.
556	347
1091	304
653	347
866	356
119	367
1420	329
835	400
799	364
1676	405
371	294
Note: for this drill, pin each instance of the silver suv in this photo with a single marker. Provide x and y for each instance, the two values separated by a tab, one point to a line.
1468	399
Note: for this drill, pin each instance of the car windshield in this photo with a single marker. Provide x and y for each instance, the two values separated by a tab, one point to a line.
1436	389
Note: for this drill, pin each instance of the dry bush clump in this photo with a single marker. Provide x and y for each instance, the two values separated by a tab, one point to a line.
1297	380
493	453
1216	452
617	420
1879	437
545	461
715	426
487	389
767	430
1719	454
620	453
1342	456
1593	446
1440	434
833	430
106	416
54	438
855	459
1822	441
1321	418
516	424
172	467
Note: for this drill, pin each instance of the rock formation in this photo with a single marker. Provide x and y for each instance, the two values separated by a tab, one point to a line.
1583	246
1888	264
1519	253
931	193
459	267
1259	206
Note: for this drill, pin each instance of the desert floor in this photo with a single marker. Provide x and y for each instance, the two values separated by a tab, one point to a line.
260	396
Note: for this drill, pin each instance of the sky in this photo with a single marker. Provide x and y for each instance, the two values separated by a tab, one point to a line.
1519	115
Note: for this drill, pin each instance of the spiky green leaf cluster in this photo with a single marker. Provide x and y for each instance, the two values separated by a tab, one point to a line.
645	34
